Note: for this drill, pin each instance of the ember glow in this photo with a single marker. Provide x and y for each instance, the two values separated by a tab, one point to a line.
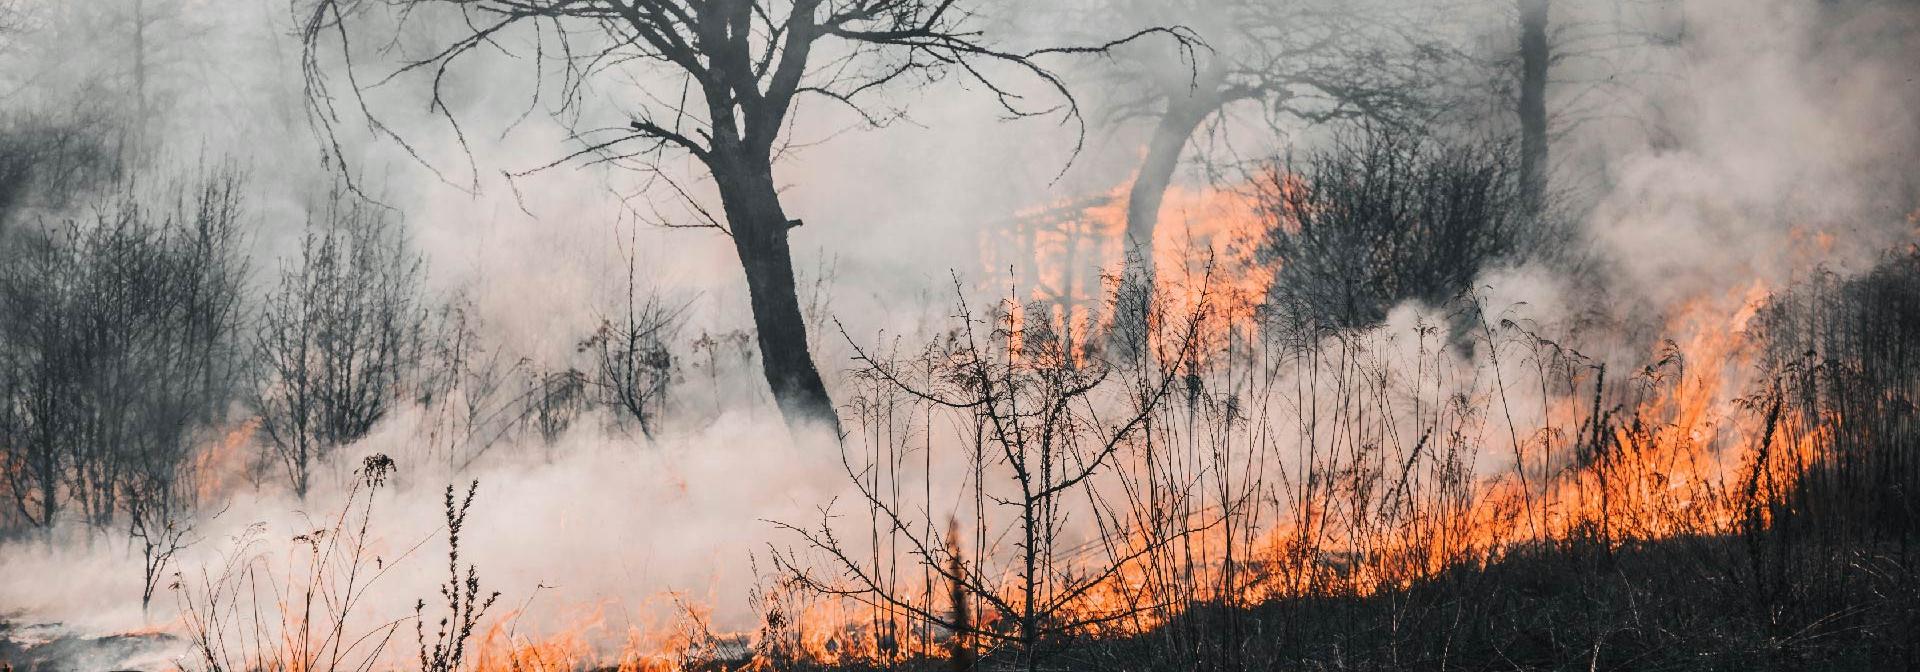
1068	257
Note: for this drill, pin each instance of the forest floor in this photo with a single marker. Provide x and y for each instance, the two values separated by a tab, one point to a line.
1690	603
50	647
1697	603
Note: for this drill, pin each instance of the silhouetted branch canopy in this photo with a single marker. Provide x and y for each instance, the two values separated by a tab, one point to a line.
721	78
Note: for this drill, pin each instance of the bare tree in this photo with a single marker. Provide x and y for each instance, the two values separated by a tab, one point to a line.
52	159
734	71
192	363
33	292
1577	65
138	69
338	337
1308	61
1535	53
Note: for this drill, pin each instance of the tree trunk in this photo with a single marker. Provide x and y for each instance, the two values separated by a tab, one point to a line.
1144	198
1155	176
759	229
1535	54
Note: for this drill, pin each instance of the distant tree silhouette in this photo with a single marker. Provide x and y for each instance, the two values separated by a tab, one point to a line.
1306	61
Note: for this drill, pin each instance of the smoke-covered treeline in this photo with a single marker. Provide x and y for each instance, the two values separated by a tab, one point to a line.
121	357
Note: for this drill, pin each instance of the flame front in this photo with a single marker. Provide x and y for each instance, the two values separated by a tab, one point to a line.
1346	468
1068	258
1664	451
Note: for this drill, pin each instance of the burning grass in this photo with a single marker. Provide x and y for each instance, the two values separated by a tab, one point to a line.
1319	475
1265	466
1319	496
1265	483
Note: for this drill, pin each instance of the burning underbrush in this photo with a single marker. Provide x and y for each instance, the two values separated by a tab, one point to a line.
1276	463
1321	494
1267	453
1382	475
1557	340
1247	477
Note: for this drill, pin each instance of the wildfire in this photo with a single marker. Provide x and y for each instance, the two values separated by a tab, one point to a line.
1654	467
1658	465
1065	258
219	466
1661	452
1654	476
821	631
649	647
1666	473
1655	453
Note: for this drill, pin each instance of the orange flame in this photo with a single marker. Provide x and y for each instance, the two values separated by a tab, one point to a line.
1666	471
1066	257
220	466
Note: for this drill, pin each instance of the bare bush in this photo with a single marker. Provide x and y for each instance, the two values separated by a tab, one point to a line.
446	651
339	337
554	400
465	386
1386	216
311	612
630	355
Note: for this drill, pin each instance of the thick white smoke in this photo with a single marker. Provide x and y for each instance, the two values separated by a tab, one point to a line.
1761	147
